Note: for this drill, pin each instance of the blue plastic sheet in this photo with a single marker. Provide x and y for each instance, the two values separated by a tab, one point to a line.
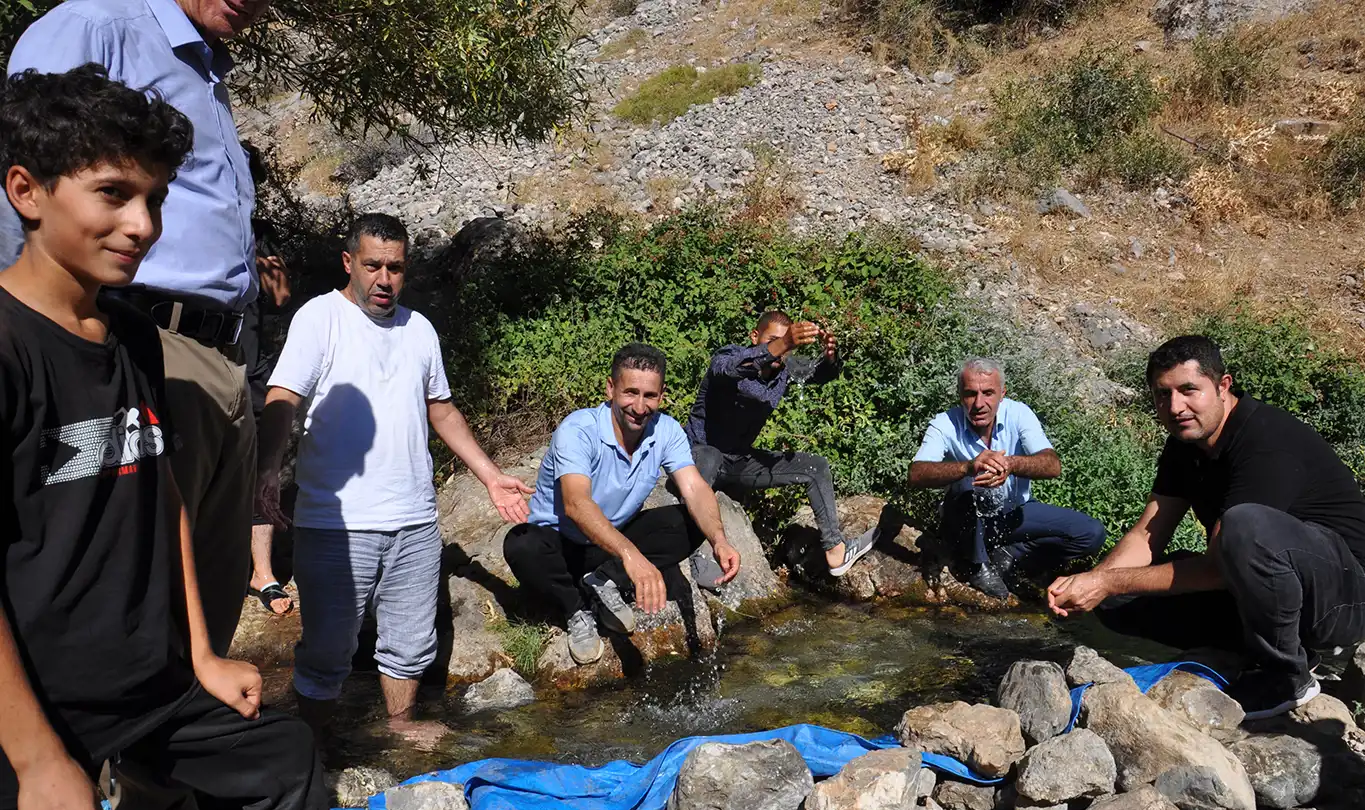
514	784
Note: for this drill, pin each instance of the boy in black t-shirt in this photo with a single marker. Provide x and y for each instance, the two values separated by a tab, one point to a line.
1284	573
104	654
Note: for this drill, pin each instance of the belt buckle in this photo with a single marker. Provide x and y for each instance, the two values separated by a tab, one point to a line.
237	320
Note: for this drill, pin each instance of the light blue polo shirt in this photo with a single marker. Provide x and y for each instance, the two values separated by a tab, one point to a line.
950	437
585	444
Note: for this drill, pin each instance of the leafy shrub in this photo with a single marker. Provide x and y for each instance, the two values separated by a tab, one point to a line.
1229	69
673	92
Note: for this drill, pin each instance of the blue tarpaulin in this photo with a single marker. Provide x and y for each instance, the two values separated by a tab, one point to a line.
514	784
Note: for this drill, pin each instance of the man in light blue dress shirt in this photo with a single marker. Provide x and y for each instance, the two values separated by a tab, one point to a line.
200	276
986	452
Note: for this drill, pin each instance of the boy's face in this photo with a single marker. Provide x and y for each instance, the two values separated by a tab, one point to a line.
98	223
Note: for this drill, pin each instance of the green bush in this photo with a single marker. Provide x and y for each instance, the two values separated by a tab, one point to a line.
1229	69
673	92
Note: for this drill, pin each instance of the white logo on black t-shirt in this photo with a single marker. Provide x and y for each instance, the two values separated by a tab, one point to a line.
96	446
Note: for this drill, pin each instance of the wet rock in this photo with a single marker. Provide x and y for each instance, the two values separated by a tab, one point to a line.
504	689
1199	701
985	737
765	775
755	579
1150	743
1284	771
963	796
1073	766
1061	201
426	796
1187	19
880	780
1037	692
1088	666
354	786
1144	798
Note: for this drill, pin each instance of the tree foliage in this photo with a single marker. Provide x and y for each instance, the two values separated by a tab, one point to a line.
425	71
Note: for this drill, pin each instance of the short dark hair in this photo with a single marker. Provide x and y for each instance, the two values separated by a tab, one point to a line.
1180	350
58	124
638	356
773	316
383	227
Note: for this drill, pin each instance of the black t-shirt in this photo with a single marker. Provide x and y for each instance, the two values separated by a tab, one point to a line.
88	570
1266	456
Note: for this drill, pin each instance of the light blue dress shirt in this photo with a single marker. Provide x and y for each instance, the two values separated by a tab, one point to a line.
950	437
206	247
585	444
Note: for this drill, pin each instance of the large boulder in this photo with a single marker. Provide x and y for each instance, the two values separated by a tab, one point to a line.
426	796
1285	771
1073	766
987	738
1148	742
964	796
1201	703
1187	19
1037	692
1146	797
879	780
764	775
896	567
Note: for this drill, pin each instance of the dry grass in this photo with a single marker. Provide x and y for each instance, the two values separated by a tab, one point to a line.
772	192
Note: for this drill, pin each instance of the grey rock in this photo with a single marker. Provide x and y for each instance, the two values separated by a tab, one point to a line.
943	77
1037	692
1187	19
1285	771
1061	201
1149	743
987	738
504	689
964	796
354	786
1088	666
925	783
1199	701
1305	127
1073	766
880	780
1135	248
1146	797
426	796
764	775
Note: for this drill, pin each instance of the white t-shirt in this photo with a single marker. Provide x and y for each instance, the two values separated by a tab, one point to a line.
363	459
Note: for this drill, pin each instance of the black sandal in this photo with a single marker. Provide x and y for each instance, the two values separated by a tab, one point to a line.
270	593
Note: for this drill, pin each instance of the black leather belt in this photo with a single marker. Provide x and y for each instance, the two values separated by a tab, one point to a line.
192	318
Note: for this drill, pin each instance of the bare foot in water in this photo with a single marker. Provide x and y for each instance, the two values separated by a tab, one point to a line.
422	734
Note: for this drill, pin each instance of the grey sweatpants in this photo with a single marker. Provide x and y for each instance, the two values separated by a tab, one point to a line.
340	575
765	469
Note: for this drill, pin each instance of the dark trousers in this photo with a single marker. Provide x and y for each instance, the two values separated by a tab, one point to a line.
552	565
265	764
765	469
1038	535
1290	586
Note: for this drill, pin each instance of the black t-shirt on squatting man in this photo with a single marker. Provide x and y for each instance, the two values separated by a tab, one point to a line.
89	560
1266	456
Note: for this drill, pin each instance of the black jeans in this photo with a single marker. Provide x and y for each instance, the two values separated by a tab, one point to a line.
1038	535
1291	586
552	565
265	764
765	469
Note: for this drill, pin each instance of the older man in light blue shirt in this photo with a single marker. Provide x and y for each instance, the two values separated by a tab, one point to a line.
587	533
985	453
199	277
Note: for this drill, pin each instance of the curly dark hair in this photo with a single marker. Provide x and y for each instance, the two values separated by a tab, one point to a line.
58	124
640	357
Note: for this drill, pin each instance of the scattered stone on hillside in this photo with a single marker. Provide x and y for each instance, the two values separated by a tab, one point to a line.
764	775
985	737
964	796
1088	666
1148	742
426	796
1146	797
1187	19
1073	766
1037	692
1107	329
878	780
1061	201
504	689
943	77
1285	771
1305	127
354	786
1201	702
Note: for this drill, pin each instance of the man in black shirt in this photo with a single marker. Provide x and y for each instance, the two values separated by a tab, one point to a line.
104	650
1285	519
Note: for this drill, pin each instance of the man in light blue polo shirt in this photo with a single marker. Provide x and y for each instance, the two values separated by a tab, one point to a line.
986	452
587	536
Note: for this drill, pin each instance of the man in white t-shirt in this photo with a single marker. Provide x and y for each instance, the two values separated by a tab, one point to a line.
372	376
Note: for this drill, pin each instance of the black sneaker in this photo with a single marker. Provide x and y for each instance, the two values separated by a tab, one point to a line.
985	579
1004	564
1265	694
